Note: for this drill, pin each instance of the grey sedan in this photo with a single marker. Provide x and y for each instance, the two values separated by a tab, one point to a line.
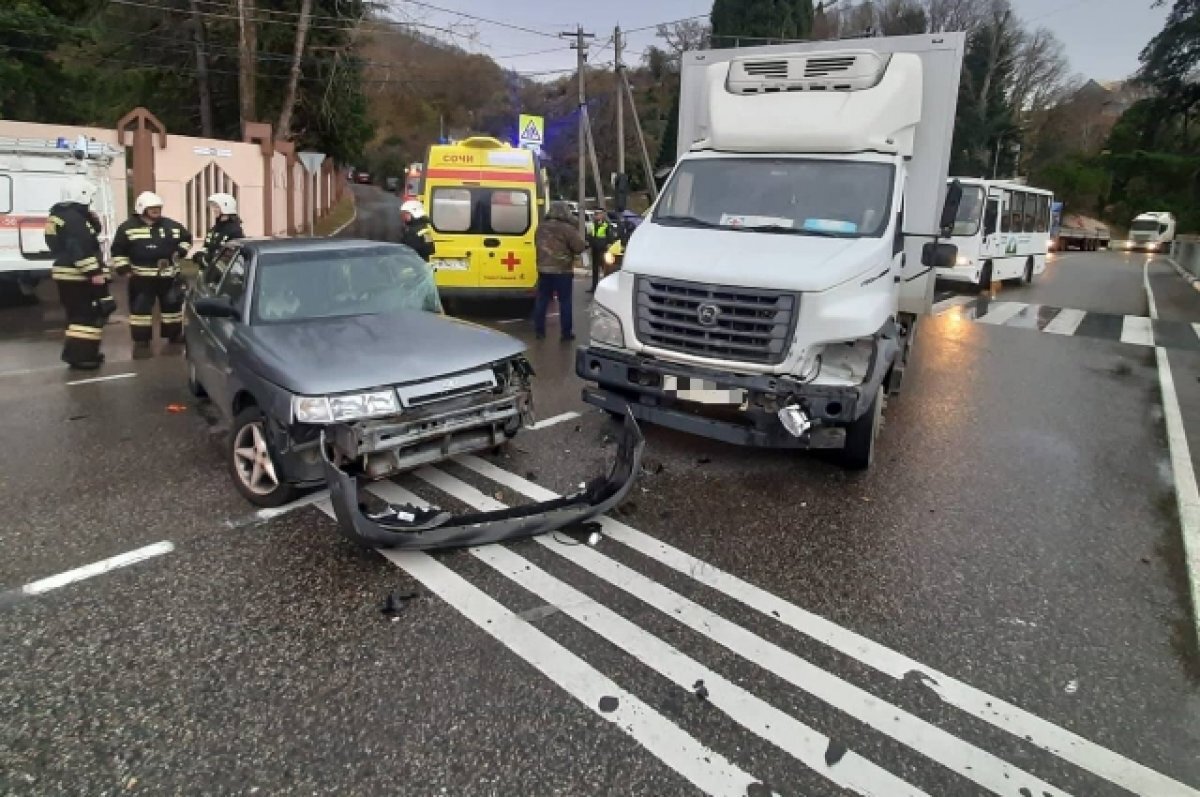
334	364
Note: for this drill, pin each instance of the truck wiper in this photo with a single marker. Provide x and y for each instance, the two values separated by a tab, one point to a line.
779	228
689	221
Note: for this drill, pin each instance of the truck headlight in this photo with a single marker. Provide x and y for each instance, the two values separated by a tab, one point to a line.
352	407
963	260
606	327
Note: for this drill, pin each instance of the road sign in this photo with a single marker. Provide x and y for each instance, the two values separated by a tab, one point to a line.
312	160
532	131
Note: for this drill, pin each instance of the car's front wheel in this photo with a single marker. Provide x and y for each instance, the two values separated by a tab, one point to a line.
254	466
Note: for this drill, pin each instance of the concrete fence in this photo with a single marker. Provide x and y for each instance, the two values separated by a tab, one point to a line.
1186	255
275	195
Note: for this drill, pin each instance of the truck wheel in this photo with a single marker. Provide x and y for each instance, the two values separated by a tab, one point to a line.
985	278
252	463
859	451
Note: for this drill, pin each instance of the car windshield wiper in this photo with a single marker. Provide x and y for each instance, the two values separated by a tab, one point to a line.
689	221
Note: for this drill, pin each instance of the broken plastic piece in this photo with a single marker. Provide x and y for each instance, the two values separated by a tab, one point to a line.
176	408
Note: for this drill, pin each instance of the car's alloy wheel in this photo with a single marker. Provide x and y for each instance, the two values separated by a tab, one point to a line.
252	460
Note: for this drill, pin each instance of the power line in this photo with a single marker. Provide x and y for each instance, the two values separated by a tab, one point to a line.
484	20
672	22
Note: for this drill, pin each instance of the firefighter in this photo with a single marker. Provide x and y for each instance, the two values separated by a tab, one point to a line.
73	236
227	227
418	233
148	247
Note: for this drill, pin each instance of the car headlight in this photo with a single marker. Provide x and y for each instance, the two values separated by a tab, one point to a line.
610	258
356	406
606	327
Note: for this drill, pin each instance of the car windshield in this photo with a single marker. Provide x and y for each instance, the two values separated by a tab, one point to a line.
296	286
970	211
843	199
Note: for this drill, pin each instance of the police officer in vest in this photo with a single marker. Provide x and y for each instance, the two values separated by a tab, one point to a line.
148	247
73	236
227	227
600	235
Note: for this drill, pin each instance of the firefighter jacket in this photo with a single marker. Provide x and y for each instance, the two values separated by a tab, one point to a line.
150	250
227	228
418	236
73	237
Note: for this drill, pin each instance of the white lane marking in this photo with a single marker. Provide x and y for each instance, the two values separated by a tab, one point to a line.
1001	312
553	421
109	378
1137	329
1066	322
44	585
953	301
1008	717
706	769
1187	492
957	755
790	735
319	497
28	371
1196	329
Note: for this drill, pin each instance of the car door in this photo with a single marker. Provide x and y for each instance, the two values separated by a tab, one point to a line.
220	331
197	331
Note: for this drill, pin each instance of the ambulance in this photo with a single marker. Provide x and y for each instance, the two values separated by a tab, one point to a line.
33	172
485	199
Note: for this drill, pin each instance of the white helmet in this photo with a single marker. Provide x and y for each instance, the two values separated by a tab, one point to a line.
147	199
79	189
414	207
225	203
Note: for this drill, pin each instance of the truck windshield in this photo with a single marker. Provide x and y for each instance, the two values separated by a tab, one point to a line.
297	286
843	199
1146	225
966	223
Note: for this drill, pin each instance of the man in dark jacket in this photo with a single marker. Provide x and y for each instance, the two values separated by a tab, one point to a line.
418	233
72	235
558	244
227	227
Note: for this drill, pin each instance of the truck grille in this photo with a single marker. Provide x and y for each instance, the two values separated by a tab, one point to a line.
742	324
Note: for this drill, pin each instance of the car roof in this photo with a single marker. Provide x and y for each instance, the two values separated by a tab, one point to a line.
266	246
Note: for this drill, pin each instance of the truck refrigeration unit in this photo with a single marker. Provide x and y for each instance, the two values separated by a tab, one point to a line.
771	297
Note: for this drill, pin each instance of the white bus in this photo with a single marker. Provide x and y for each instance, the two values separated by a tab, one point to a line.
1001	232
1152	232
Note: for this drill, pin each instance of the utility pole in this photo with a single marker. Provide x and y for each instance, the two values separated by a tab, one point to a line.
619	46
637	124
580	48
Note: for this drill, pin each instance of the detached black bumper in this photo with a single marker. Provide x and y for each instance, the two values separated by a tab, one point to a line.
416	528
634	385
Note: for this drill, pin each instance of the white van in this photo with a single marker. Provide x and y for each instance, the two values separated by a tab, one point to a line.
32	175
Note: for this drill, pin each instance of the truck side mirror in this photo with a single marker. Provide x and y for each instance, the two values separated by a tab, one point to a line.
939	255
954	195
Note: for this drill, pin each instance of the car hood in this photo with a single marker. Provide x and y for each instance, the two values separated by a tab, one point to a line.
752	259
339	355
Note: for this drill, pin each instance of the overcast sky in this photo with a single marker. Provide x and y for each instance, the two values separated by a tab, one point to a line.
1103	37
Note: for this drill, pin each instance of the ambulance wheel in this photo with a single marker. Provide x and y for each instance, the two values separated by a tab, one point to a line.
859	452
254	465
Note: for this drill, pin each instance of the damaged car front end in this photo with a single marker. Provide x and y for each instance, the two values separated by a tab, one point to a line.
421	528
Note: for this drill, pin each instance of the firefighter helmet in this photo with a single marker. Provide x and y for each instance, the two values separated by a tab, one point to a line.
147	199
413	207
79	189
225	203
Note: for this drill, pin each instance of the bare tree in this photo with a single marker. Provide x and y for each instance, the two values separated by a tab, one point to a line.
901	17
680	37
1041	71
247	60
955	15
202	84
284	129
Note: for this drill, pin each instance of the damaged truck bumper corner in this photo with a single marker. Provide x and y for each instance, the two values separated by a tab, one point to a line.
415	528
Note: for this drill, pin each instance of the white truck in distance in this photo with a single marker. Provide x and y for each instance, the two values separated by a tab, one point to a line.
772	295
1152	232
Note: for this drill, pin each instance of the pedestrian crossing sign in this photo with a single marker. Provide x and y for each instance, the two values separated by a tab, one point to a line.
532	131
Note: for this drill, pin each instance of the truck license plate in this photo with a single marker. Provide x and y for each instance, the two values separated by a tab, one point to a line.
450	264
701	391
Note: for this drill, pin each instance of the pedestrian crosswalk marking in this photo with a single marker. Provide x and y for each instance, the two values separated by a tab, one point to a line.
689	756
1132	329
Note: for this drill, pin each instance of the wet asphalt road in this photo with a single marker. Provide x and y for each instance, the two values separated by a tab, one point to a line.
1016	544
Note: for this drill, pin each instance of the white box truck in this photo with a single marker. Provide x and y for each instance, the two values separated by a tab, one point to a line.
771	297
33	172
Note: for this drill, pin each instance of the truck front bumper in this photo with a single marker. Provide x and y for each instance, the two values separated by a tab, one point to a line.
630	384
419	528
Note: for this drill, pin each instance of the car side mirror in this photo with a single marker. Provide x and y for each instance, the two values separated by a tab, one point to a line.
215	307
954	195
939	255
